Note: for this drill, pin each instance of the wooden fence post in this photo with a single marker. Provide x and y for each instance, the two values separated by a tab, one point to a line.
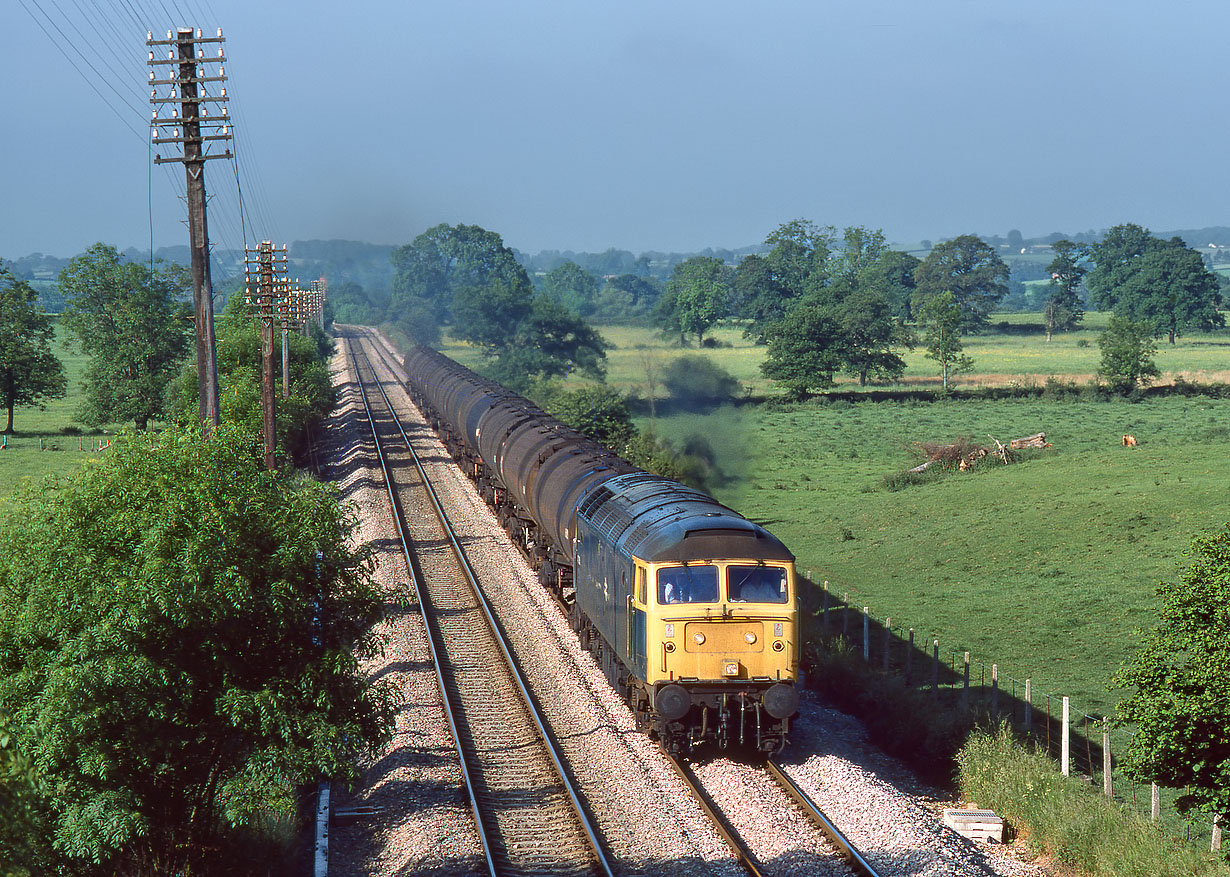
866	637
909	659
965	686
1029	708
935	667
1065	742
845	613
1155	802
994	694
1216	846
1106	760
824	611
888	642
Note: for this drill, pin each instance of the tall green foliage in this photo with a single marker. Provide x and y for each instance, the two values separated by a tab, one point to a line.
132	322
1127	354
768	286
942	318
179	638
848	320
806	349
1180	705
311	395
573	287
697	296
971	271
29	371
595	410
466	276
1063	308
1145	279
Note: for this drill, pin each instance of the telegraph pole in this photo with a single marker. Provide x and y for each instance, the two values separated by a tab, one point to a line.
265	284
319	289
288	309
193	129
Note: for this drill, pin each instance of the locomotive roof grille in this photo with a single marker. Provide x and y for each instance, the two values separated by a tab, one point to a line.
599	496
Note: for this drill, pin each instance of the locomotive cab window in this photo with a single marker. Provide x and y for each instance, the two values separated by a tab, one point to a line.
756	584
688	584
640	585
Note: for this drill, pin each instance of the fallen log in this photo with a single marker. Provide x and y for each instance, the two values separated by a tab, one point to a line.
964	454
1037	440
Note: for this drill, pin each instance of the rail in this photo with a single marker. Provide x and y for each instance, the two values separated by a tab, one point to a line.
847	850
584	821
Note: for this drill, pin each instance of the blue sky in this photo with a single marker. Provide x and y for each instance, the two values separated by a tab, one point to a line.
639	125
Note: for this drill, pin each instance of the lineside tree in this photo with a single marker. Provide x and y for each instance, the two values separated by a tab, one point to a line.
134	325
180	631
29	372
1180	706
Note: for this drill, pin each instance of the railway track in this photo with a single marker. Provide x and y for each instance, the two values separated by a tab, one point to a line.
776	842
530	818
844	858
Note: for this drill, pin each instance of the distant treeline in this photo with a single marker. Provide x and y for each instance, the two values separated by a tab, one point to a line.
360	274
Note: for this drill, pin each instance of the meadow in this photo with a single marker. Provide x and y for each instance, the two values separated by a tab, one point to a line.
48	440
1018	353
1045	566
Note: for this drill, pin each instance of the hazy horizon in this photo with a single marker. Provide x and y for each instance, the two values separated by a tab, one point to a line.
634	126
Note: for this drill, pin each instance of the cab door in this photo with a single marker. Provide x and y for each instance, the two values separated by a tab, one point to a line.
637	624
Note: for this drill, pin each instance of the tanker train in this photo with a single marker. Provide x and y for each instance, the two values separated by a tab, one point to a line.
690	609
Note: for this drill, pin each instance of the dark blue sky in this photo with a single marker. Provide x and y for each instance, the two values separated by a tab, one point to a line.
640	125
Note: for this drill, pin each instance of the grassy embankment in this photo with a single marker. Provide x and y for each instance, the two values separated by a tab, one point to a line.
67	443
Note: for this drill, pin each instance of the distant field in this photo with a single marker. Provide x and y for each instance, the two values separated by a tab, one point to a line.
1000	358
22	461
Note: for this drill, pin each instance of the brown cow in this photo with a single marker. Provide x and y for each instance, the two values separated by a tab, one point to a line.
1129	441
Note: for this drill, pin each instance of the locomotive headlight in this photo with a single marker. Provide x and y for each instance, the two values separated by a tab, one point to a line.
699	639
778	628
670	647
749	637
670	630
779	646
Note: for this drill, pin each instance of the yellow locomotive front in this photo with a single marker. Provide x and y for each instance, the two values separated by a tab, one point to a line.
722	648
690	609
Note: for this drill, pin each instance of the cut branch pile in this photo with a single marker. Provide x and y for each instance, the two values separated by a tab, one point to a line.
963	454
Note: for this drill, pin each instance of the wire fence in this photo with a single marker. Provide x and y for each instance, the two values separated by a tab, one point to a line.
1083	745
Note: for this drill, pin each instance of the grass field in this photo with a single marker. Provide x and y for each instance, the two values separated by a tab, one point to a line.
1044	567
23	461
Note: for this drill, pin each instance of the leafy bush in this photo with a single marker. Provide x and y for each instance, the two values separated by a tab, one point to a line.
596	410
239	381
1064	818
196	659
1057	388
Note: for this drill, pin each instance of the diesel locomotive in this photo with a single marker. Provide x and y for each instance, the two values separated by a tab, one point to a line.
690	609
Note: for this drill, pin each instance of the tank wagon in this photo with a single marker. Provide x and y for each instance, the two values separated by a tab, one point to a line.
690	609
